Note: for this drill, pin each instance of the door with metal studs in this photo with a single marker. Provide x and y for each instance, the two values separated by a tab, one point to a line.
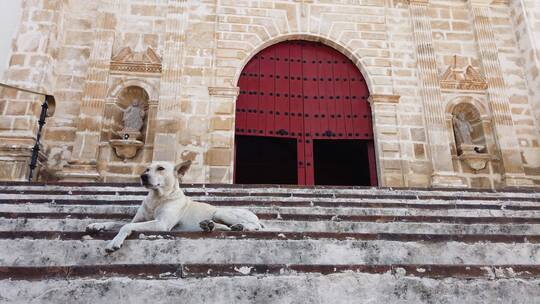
310	95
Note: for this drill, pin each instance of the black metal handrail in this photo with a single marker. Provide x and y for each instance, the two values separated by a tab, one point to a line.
48	102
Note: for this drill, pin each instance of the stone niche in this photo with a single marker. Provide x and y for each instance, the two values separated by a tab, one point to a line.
123	139
473	145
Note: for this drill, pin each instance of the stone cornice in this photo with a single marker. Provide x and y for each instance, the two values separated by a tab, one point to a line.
224	91
488	2
472	2
420	2
379	98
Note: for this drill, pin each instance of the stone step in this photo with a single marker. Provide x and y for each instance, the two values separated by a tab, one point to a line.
291	202
29	224
397	285
268	196
274	235
251	190
274	248
298	217
273	209
185	271
334	240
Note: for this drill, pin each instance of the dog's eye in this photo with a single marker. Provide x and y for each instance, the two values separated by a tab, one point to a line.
160	168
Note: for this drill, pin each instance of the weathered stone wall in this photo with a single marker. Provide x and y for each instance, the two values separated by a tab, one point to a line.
421	59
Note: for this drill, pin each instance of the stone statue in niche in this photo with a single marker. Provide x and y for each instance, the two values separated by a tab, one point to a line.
133	117
462	129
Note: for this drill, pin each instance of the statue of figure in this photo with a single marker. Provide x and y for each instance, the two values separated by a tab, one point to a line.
133	117
462	129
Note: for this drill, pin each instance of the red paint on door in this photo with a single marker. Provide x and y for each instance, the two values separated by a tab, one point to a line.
306	91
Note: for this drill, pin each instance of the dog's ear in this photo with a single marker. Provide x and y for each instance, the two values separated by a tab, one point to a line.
182	167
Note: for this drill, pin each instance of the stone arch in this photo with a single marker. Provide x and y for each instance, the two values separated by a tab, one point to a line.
477	104
306	127
477	114
342	48
151	90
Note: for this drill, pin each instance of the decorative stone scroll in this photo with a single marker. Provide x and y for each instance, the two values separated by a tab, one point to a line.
129	61
462	79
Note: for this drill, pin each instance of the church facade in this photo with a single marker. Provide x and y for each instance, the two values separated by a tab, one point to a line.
396	93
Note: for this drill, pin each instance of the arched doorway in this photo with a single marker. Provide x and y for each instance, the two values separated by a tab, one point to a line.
303	117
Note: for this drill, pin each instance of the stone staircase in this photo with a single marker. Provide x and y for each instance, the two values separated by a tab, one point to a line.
321	245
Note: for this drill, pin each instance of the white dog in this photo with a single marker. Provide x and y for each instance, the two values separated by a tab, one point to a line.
166	206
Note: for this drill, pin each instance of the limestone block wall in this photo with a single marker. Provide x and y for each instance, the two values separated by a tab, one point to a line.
420	58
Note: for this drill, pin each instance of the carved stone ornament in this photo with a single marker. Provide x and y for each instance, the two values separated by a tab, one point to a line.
126	148
473	159
459	79
129	61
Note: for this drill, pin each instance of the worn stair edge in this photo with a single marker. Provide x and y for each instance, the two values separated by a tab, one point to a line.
286	203
60	195
29	252
348	287
24	224
171	271
297	217
334	211
255	186
276	235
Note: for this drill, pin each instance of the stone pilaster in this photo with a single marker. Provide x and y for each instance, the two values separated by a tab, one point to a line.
387	140
430	91
83	164
169	122
505	133
220	155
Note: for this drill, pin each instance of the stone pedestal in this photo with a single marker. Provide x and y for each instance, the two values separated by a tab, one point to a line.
474	160
126	148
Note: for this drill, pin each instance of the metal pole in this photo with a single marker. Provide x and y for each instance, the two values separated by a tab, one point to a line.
35	149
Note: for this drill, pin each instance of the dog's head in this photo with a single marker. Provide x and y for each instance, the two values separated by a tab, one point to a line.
163	176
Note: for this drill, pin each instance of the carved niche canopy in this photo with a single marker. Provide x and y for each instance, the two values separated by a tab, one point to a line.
131	61
459	79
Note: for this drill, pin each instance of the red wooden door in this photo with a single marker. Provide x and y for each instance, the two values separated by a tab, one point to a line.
306	91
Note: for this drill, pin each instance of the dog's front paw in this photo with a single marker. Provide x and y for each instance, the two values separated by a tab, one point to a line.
237	227
112	246
95	228
207	225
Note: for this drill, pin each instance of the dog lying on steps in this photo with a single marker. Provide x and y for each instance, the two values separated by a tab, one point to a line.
166	206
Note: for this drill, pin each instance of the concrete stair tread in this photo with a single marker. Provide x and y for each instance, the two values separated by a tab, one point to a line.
314	235
348	287
68	224
176	271
279	209
223	250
